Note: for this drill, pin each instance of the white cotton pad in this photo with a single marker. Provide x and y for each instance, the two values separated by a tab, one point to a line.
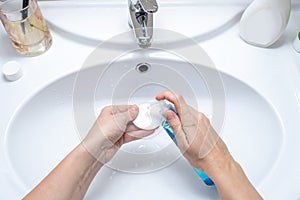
144	119
151	115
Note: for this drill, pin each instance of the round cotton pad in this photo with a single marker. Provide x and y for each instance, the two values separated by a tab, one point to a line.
147	119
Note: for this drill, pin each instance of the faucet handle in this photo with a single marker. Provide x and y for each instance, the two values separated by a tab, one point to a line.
149	6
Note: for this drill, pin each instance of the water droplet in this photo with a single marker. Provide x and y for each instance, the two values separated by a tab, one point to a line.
141	148
112	174
136	165
157	146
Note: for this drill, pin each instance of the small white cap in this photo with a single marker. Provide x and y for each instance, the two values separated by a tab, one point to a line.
12	70
296	44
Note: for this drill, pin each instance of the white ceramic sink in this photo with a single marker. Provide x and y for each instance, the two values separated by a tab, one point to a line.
43	129
46	113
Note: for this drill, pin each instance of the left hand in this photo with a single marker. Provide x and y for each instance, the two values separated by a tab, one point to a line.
112	129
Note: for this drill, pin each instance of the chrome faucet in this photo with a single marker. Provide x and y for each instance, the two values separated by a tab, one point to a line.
141	20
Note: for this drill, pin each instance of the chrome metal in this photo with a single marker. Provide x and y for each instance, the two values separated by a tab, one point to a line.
141	20
143	67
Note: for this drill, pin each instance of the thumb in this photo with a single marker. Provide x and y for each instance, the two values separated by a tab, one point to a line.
176	126
122	118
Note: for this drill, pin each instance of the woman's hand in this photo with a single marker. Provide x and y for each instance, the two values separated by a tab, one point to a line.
112	129
195	136
205	150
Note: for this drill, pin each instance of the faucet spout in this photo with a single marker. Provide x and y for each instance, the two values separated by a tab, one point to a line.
141	20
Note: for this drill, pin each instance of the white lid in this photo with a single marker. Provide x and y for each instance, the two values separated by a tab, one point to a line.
12	70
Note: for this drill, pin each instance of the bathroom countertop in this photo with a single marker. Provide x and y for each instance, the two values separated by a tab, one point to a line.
75	36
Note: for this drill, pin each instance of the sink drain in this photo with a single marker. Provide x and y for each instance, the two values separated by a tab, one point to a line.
143	67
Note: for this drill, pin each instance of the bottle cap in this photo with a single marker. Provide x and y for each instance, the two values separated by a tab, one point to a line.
12	70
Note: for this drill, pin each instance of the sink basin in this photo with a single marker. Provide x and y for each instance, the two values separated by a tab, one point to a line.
54	119
255	109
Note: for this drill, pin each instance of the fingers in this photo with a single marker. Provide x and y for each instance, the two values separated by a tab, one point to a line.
115	109
177	100
176	126
124	114
131	127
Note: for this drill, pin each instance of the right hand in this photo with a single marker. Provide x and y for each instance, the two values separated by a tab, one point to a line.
205	150
195	136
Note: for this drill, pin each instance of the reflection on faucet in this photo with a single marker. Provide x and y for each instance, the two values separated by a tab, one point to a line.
141	20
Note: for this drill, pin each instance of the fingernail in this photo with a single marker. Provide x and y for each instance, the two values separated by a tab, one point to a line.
133	108
170	116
